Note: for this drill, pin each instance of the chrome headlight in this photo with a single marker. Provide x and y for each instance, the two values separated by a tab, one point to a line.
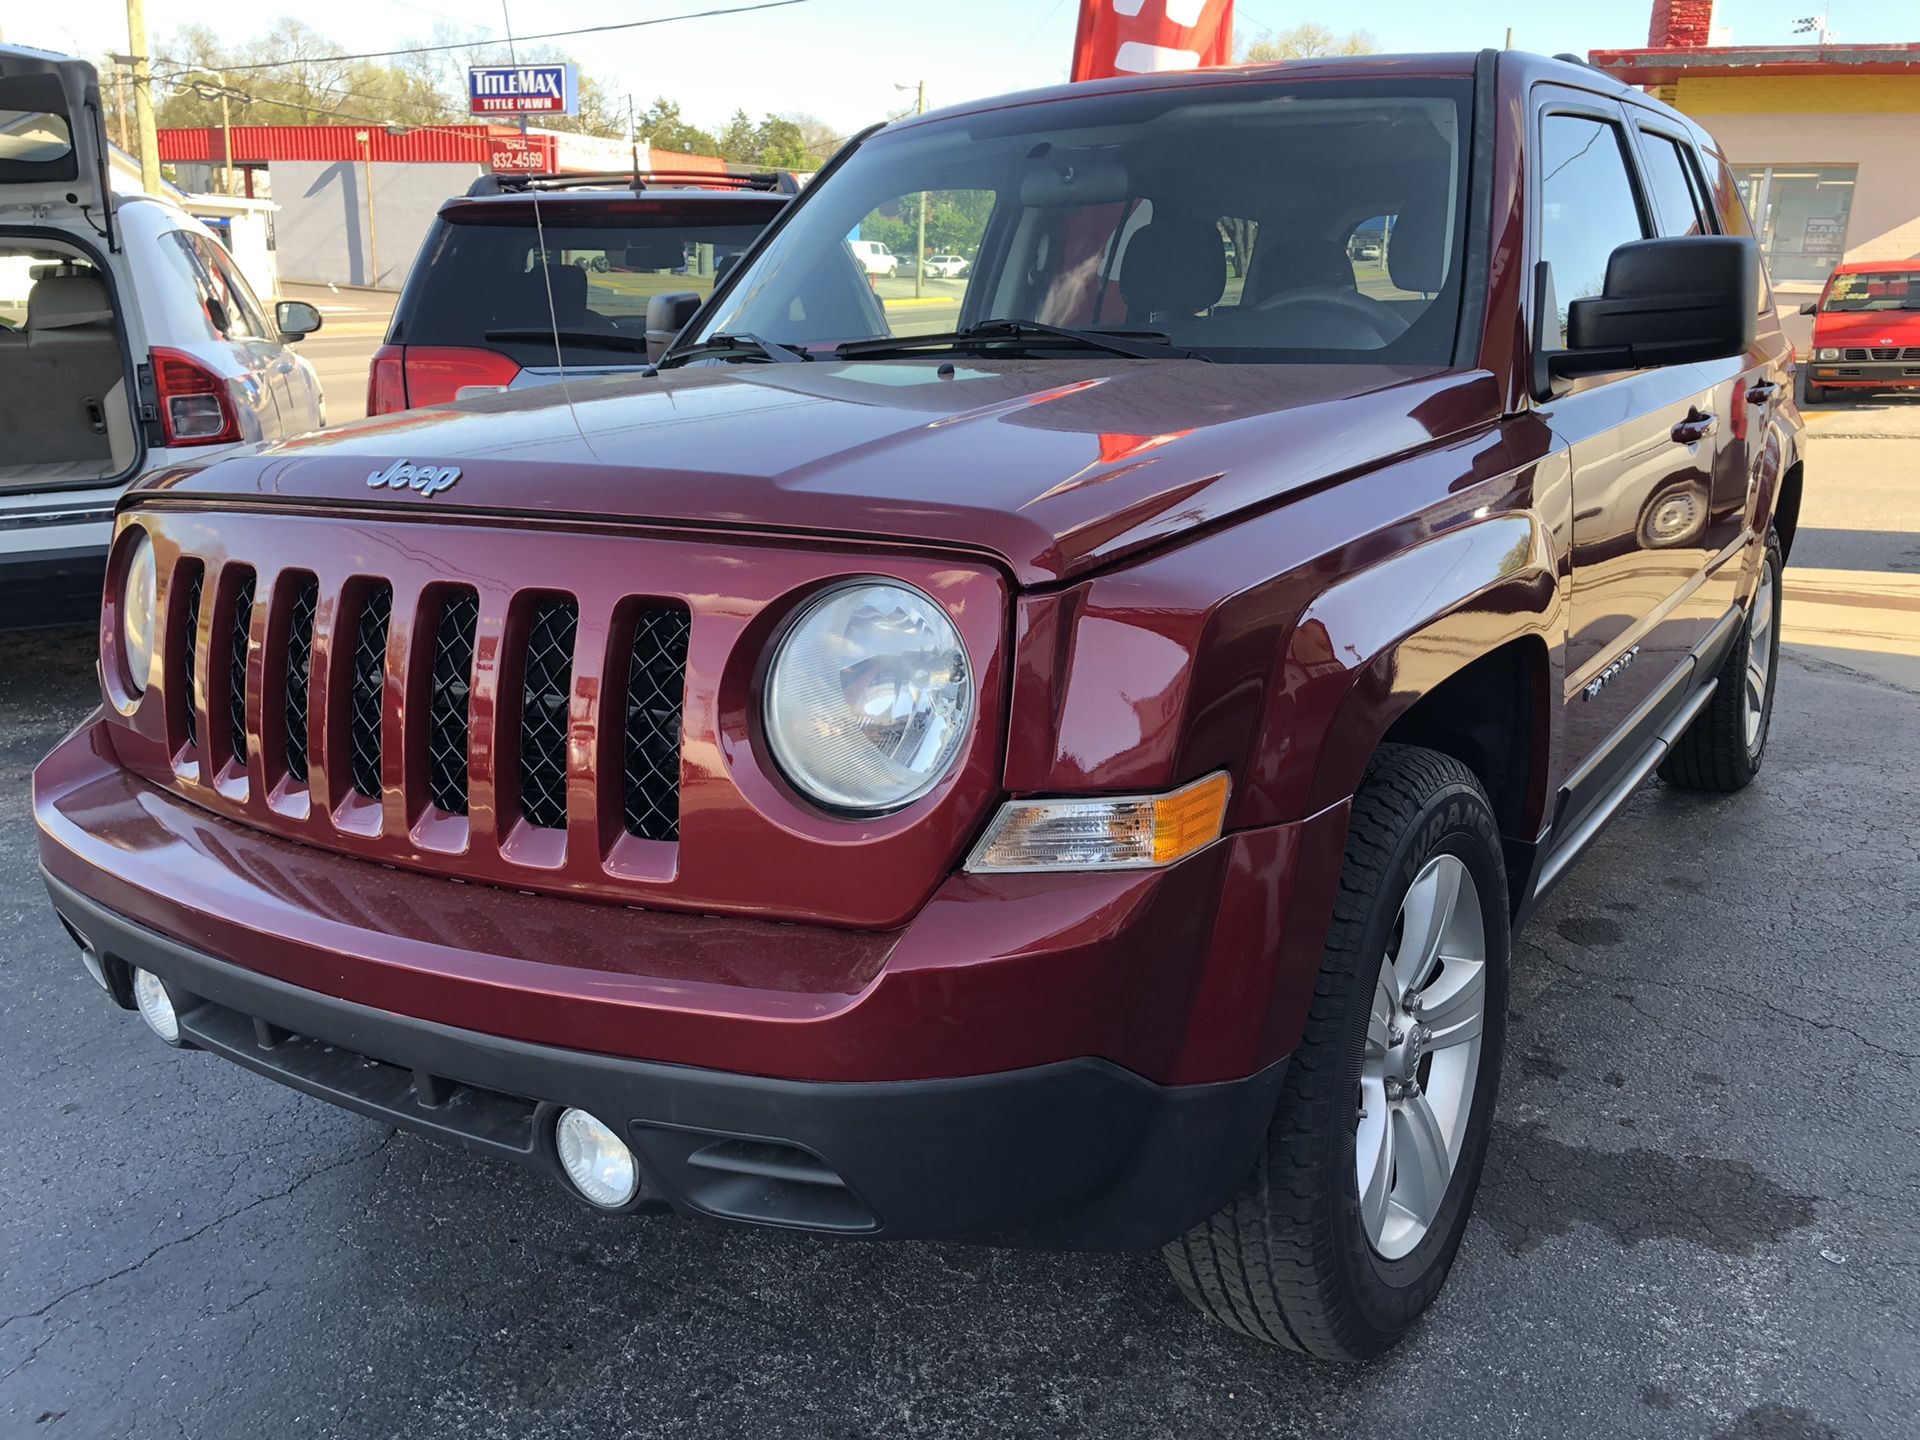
869	698
139	612
1826	352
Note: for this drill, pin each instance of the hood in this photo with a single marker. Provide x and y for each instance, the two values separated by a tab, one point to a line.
1054	467
1867	327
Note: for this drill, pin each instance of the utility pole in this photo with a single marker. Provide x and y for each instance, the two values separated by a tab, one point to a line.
226	143
920	250
920	255
138	45
373	234
120	64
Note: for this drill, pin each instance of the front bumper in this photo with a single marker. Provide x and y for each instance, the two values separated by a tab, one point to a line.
1079	1154
1085	1060
1866	374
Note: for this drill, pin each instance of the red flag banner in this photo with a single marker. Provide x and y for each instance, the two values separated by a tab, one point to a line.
1138	37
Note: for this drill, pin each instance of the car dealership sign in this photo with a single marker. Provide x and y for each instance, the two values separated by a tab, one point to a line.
523	90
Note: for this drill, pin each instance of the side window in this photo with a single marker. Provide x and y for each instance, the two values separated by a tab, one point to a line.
1587	204
178	251
1674	186
244	310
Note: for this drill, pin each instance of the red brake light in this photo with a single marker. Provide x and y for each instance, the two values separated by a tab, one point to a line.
196	405
387	381
406	377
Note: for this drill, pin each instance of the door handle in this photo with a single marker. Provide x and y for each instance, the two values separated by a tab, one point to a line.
1696	427
1762	391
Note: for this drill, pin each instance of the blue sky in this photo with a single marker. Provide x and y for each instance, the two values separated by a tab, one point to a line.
840	59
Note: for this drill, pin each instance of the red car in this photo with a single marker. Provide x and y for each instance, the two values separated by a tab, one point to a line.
1069	769
1866	330
528	279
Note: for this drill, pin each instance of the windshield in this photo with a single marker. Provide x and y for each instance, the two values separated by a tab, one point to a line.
1263	221
1873	290
483	278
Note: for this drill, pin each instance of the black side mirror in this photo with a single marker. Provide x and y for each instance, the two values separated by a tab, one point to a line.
1666	302
1809	307
295	319
667	316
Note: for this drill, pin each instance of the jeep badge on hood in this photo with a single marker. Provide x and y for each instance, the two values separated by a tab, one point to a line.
404	475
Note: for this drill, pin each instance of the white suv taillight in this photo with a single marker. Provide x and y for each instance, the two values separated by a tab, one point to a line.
196	405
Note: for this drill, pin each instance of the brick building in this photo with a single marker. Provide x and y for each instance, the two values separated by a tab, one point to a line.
1823	138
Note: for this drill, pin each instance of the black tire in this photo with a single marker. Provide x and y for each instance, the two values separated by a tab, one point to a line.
1812	394
1288	1260
1717	752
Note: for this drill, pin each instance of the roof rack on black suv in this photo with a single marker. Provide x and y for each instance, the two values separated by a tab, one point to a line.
776	182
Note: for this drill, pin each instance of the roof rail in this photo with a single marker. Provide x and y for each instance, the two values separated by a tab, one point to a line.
778	182
1573	59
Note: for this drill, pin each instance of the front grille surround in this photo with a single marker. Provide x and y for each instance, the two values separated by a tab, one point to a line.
737	592
1880	352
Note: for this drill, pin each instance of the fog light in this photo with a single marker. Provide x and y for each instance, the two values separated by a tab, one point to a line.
599	1165
156	1006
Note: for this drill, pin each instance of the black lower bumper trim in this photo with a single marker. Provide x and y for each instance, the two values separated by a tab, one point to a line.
1081	1154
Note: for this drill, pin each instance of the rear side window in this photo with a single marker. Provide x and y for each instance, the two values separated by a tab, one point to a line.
1675	186
1587	204
484	280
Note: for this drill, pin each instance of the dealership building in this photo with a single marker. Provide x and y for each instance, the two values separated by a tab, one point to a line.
355	201
1824	138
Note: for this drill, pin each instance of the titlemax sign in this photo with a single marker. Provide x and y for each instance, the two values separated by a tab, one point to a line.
520	90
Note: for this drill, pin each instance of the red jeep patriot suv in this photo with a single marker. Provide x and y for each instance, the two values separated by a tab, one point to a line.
1057	756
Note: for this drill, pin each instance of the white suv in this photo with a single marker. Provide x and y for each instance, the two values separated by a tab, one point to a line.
874	257
128	338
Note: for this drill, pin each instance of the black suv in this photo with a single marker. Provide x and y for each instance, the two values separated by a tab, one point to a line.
525	278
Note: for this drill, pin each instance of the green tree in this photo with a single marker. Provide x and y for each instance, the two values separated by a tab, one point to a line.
664	125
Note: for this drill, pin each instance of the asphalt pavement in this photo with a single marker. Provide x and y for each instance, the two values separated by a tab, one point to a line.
1701	1215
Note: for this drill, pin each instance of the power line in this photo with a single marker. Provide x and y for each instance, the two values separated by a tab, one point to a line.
511	40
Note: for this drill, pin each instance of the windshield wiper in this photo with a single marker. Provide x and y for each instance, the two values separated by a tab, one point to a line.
1136	344
737	345
590	339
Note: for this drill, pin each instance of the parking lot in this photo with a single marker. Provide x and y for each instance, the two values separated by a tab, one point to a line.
1701	1216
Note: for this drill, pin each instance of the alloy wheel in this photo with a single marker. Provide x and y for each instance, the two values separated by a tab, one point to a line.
1422	1057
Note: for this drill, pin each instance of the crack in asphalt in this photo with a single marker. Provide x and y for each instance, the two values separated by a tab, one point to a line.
1720	991
179	1240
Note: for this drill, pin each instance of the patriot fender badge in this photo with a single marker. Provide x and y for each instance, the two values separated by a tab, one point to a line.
404	475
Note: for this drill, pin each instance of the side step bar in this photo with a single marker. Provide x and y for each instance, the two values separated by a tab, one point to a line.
1582	835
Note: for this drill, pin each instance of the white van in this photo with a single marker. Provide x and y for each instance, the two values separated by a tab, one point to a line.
129	340
874	257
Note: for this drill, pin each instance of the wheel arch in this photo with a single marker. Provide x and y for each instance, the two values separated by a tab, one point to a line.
1449	646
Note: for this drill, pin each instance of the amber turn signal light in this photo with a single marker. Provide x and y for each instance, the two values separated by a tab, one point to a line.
1133	832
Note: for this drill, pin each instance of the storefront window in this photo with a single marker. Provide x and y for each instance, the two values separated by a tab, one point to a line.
1801	213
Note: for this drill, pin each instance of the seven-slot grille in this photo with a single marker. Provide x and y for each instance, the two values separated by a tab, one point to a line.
640	743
